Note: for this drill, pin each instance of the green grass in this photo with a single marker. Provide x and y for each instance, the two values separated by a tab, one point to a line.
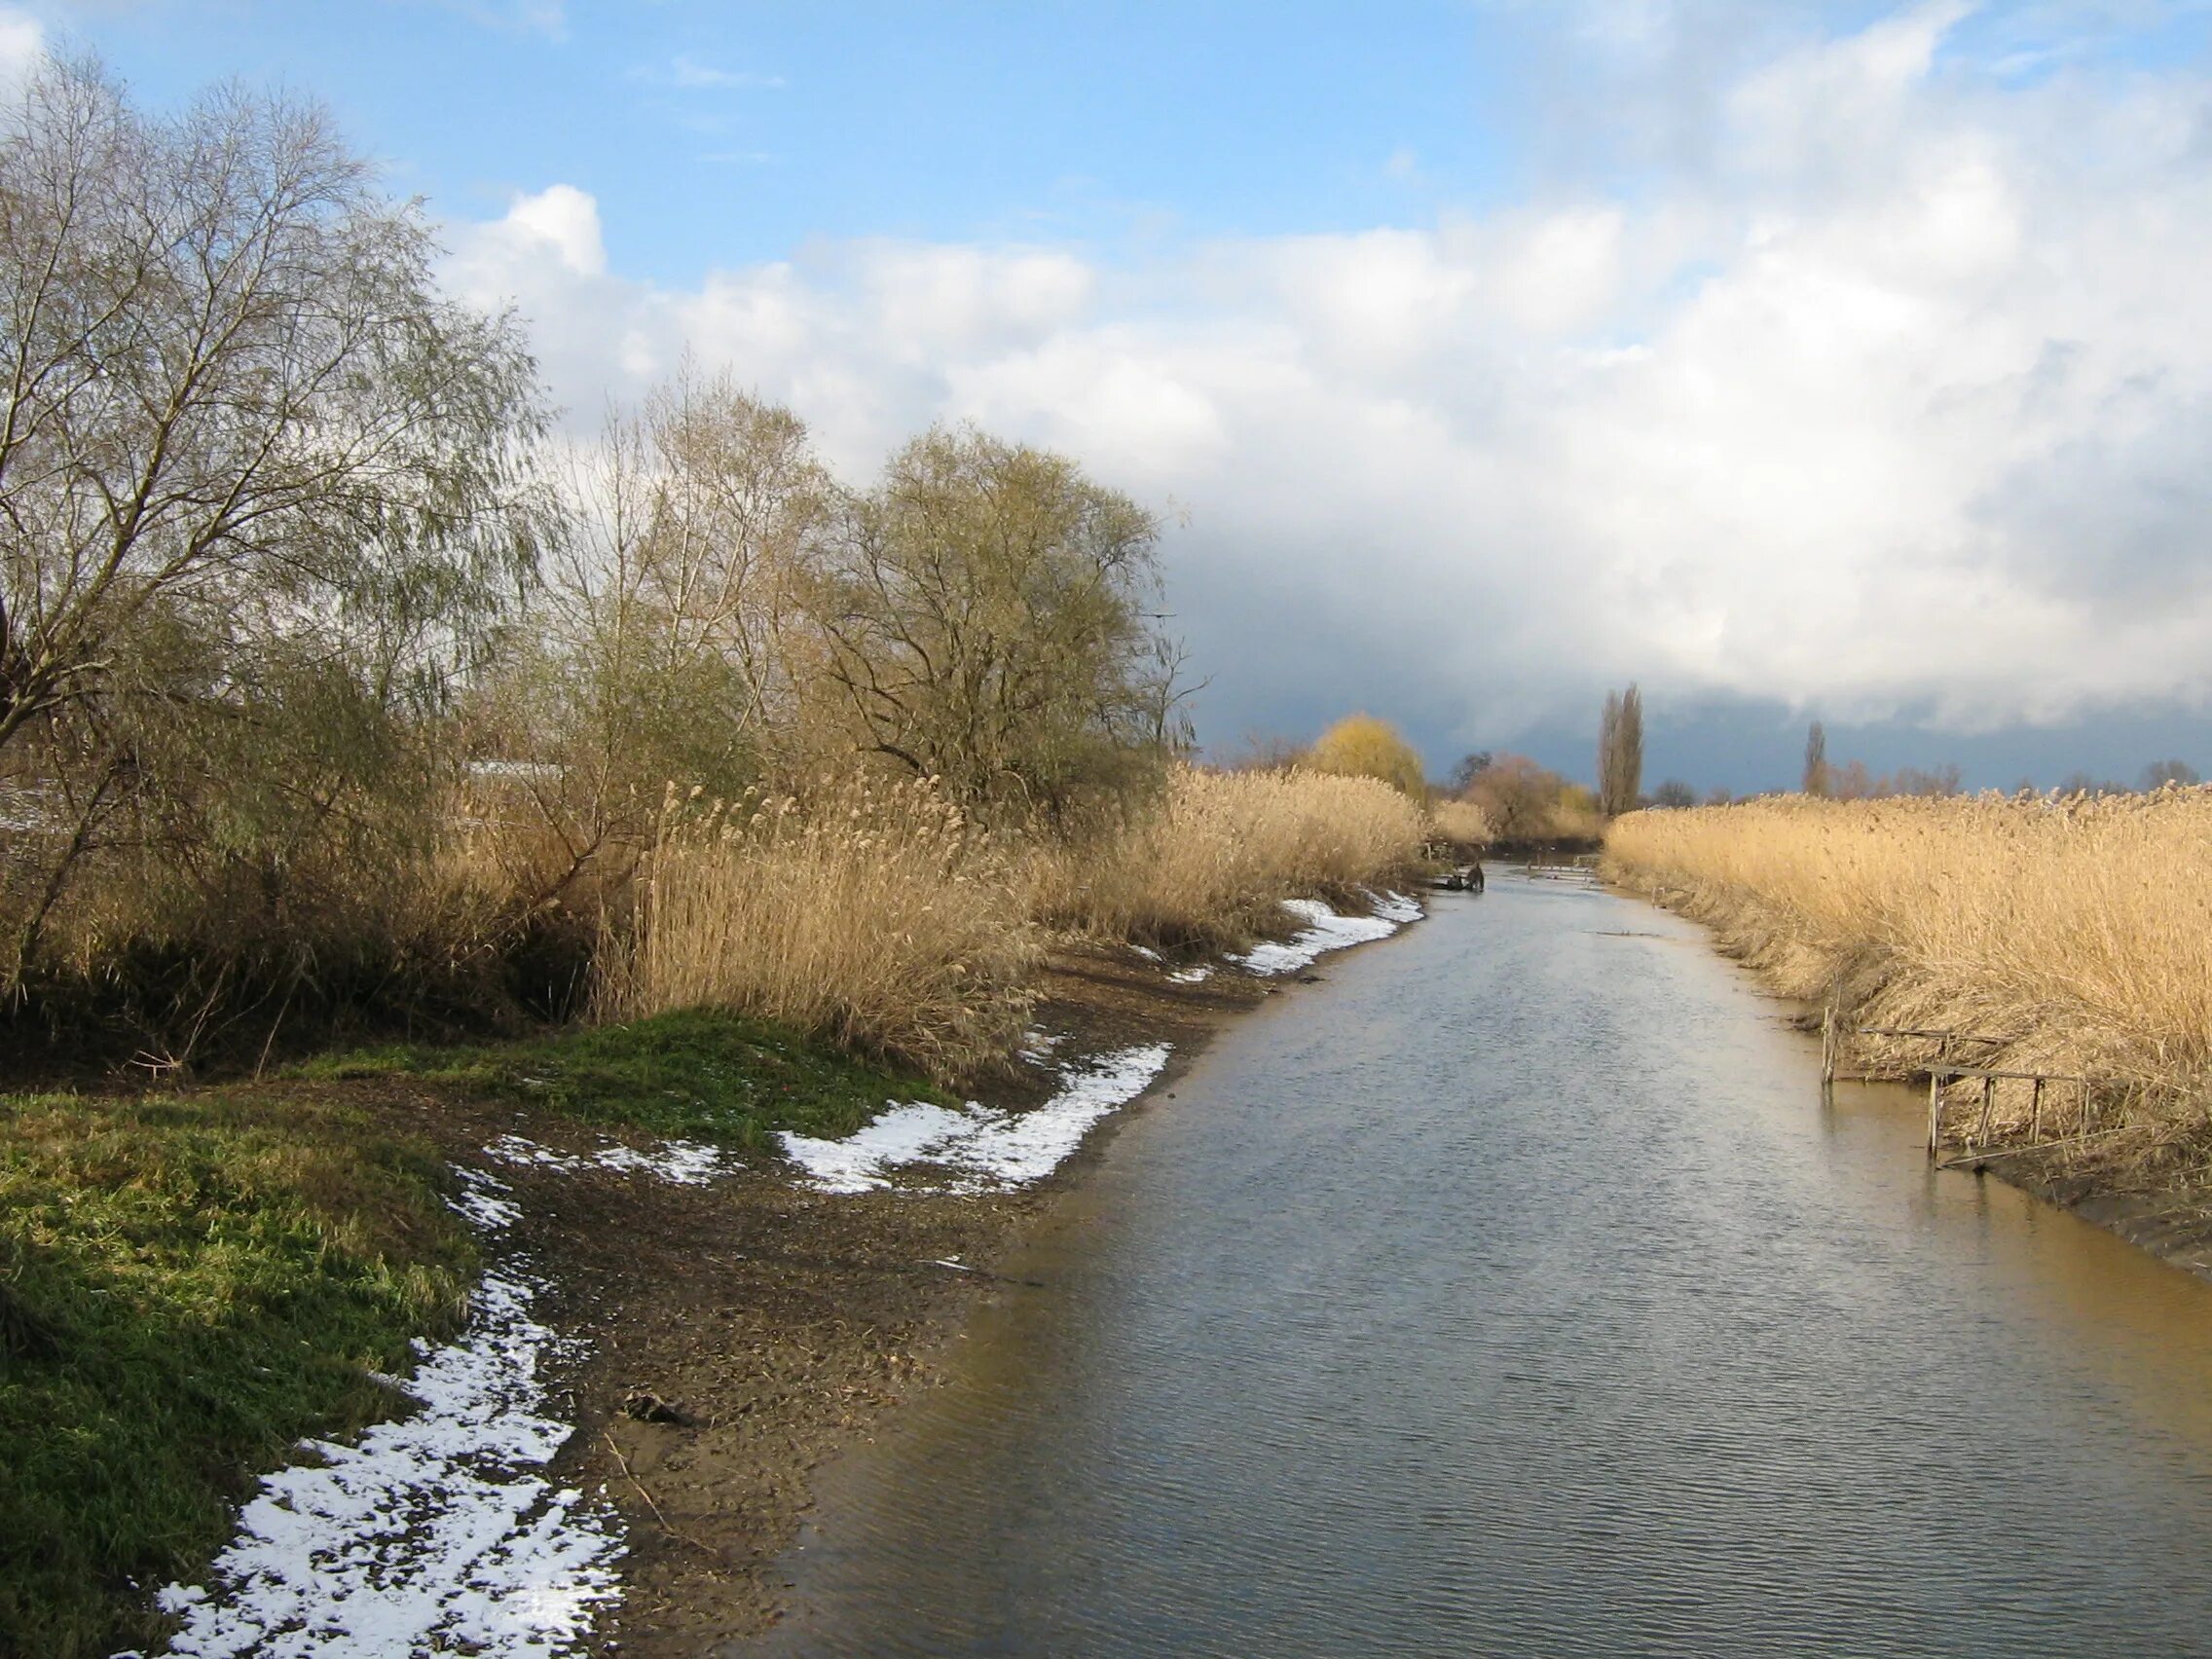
698	1075
188	1287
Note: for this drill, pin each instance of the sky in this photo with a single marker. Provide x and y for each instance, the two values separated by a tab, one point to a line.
1791	360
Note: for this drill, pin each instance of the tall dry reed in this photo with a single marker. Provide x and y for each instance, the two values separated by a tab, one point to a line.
1207	861
870	913
1462	822
2076	929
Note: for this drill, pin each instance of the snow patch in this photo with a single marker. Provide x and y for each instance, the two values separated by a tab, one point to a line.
481	1203
1038	1043
981	1147
685	1163
431	1535
1324	930
1397	907
1191	976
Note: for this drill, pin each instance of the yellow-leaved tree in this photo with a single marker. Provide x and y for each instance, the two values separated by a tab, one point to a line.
1360	746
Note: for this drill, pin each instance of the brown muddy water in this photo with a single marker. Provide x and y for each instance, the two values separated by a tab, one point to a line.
1515	1293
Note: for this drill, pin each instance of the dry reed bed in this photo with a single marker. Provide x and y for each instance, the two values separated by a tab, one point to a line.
1207	864
2080	930
871	913
877	915
1462	822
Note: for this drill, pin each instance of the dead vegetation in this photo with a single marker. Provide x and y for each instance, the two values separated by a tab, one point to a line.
2075	932
873	912
1205	862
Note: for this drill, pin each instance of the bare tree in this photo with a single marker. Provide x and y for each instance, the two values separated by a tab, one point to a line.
671	639
253	468
1817	779
1945	780
1620	752
1468	768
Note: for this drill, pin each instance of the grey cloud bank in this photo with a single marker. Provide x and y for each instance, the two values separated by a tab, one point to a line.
1891	406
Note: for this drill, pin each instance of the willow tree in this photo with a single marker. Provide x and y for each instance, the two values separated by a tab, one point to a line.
262	490
989	617
1360	746
670	638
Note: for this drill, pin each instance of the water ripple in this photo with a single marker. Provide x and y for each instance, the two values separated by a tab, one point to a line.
1517	1295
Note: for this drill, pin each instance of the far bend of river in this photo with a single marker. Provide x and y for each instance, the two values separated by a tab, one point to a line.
1514	1293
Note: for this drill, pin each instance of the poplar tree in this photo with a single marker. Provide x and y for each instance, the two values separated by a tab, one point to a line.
1817	779
1620	752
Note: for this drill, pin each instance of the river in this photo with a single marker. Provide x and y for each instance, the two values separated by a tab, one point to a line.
1515	1293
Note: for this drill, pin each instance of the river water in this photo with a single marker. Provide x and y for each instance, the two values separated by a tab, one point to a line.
1515	1293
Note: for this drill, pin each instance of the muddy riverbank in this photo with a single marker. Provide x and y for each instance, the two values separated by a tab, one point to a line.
727	1337
780	1324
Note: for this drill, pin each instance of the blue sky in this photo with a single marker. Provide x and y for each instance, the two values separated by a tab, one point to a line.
1791	358
715	133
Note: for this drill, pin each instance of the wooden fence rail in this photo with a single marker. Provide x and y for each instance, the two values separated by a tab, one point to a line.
2045	1088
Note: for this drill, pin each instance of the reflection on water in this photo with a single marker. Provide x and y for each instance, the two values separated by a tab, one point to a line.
1516	1294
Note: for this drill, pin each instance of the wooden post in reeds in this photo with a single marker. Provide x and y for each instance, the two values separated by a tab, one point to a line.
1934	1110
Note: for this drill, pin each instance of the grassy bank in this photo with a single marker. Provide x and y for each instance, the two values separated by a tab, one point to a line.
191	1284
2076	931
694	1074
190	1287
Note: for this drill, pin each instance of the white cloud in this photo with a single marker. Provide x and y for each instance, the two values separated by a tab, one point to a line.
687	72
1901	402
22	43
563	220
547	17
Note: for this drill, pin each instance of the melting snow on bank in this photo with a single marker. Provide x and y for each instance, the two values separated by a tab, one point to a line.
1326	931
981	1147
433	1534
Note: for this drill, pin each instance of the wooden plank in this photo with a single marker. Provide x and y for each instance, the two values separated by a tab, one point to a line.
1953	1069
1911	1031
